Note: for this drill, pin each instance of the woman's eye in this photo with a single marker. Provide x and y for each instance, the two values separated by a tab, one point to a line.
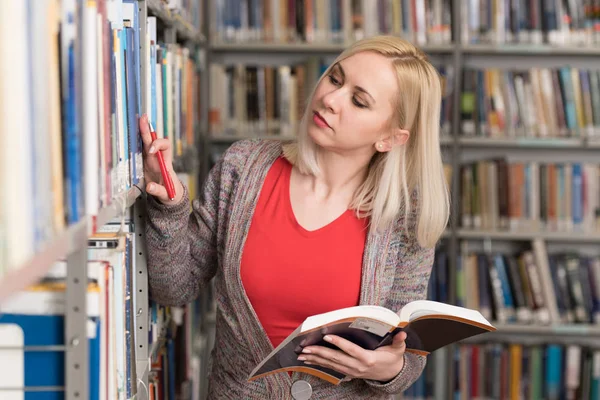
333	80
358	103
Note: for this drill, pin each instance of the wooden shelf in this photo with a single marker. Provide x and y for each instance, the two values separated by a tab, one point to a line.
583	334
322	48
68	242
593	237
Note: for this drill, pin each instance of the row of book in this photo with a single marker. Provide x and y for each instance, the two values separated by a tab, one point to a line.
531	22
517	371
501	194
531	287
76	92
36	316
270	99
537	102
534	103
331	21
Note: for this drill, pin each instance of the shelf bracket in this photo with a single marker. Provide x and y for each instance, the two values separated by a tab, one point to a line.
76	338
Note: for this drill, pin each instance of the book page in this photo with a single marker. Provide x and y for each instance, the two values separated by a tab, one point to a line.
420	308
377	313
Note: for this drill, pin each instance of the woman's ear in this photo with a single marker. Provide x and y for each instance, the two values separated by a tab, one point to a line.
398	137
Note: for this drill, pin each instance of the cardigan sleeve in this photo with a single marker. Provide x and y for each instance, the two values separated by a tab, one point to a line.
182	243
413	269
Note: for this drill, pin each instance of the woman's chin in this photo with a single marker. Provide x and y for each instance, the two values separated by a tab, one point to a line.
319	136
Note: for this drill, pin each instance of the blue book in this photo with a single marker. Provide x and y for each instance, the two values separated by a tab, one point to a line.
131	104
123	106
47	368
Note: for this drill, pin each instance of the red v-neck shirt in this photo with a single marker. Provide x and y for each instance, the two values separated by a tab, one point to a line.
290	273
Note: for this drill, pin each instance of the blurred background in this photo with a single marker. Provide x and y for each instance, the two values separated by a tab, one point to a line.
520	127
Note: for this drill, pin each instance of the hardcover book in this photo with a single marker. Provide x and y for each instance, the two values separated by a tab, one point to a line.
429	326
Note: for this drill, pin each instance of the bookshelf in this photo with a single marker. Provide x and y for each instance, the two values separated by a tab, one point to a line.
466	50
68	251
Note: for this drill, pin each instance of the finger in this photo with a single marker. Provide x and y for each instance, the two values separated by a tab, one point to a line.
332	357
145	131
327	363
159	145
158	191
346	346
399	340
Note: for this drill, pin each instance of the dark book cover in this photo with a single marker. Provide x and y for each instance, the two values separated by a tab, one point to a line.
423	337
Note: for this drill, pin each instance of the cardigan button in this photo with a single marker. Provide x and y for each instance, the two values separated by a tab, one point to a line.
301	390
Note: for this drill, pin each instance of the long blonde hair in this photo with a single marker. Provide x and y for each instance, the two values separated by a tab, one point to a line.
409	180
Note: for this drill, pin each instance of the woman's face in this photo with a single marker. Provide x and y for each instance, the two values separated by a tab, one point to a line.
352	107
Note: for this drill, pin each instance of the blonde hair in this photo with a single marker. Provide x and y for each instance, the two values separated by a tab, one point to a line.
409	180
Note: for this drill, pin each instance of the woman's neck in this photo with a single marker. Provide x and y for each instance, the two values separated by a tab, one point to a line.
340	175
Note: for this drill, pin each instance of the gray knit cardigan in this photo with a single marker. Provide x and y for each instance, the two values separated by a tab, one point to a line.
186	249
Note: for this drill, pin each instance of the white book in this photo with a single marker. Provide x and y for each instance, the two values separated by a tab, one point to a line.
17	203
12	367
159	123
102	128
90	158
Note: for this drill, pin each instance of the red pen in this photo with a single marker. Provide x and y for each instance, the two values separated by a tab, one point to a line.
163	168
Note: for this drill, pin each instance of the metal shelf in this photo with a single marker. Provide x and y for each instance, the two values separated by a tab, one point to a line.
68	242
446	140
526	49
73	238
183	28
324	48
119	204
583	334
558	143
578	237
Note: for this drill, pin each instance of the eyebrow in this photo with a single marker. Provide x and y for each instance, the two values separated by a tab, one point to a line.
359	88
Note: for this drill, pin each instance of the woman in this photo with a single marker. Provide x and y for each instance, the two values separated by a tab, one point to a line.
347	214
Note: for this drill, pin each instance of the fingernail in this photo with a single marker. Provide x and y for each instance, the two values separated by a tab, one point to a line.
151	187
327	338
306	351
152	149
301	358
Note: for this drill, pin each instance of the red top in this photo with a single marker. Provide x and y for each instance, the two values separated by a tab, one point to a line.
290	273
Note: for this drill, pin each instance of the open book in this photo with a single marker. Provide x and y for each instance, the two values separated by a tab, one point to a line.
429	326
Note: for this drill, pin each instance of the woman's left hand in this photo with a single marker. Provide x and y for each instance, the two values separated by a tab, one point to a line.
382	364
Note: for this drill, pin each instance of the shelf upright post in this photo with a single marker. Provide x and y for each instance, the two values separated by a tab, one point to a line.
142	302
76	341
139	266
445	368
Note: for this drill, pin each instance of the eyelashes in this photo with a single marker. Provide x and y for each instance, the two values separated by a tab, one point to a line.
334	81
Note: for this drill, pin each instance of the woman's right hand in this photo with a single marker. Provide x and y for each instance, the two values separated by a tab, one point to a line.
152	175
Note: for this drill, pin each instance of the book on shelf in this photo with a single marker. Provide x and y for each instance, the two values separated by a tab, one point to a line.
527	103
81	83
531	196
371	327
534	371
557	23
269	100
531	287
332	21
